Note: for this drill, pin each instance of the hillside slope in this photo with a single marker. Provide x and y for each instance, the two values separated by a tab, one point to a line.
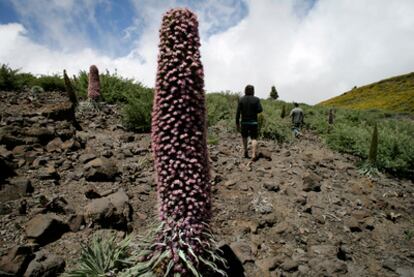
395	94
305	212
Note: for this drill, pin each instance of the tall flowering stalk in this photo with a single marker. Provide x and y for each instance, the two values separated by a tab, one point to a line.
373	149
94	88
183	244
69	89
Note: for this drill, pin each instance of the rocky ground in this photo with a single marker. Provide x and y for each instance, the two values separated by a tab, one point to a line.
300	210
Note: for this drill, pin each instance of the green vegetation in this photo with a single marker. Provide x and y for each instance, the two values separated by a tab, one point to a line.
271	125
212	139
136	113
13	80
351	132
221	106
409	234
114	88
36	89
394	94
373	149
102	257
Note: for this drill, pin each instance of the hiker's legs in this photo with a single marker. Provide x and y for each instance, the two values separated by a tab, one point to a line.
245	133
245	146
253	136
254	148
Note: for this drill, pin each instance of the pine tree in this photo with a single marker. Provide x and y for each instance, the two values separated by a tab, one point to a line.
273	93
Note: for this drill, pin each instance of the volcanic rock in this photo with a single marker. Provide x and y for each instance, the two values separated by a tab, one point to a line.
113	210
16	260
45	228
45	265
311	182
101	170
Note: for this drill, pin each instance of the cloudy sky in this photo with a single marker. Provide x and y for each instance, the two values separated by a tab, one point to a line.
309	49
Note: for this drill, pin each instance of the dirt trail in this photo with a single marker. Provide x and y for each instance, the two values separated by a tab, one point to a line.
307	212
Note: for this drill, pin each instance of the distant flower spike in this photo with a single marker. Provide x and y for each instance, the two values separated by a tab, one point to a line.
69	89
94	92
373	150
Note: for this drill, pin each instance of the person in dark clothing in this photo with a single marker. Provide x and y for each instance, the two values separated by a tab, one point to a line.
297	120
248	108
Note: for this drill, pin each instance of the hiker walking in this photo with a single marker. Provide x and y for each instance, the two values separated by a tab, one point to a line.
297	120
248	108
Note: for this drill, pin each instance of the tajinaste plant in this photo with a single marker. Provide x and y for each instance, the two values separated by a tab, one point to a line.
183	244
94	92
373	149
70	90
73	99
369	168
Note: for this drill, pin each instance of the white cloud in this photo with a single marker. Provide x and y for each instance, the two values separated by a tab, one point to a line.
337	45
20	52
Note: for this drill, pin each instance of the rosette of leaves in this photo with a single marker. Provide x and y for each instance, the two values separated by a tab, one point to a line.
183	244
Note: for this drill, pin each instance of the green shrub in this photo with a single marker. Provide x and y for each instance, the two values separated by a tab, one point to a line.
271	126
8	78
349	139
80	84
11	79
221	106
36	89
136	114
114	88
50	83
25	80
395	146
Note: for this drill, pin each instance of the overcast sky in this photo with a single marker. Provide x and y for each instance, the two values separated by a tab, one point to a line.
310	50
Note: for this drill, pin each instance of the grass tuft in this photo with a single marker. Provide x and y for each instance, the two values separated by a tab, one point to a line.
102	257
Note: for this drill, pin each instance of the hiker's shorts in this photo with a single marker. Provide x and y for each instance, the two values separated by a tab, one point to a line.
249	130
